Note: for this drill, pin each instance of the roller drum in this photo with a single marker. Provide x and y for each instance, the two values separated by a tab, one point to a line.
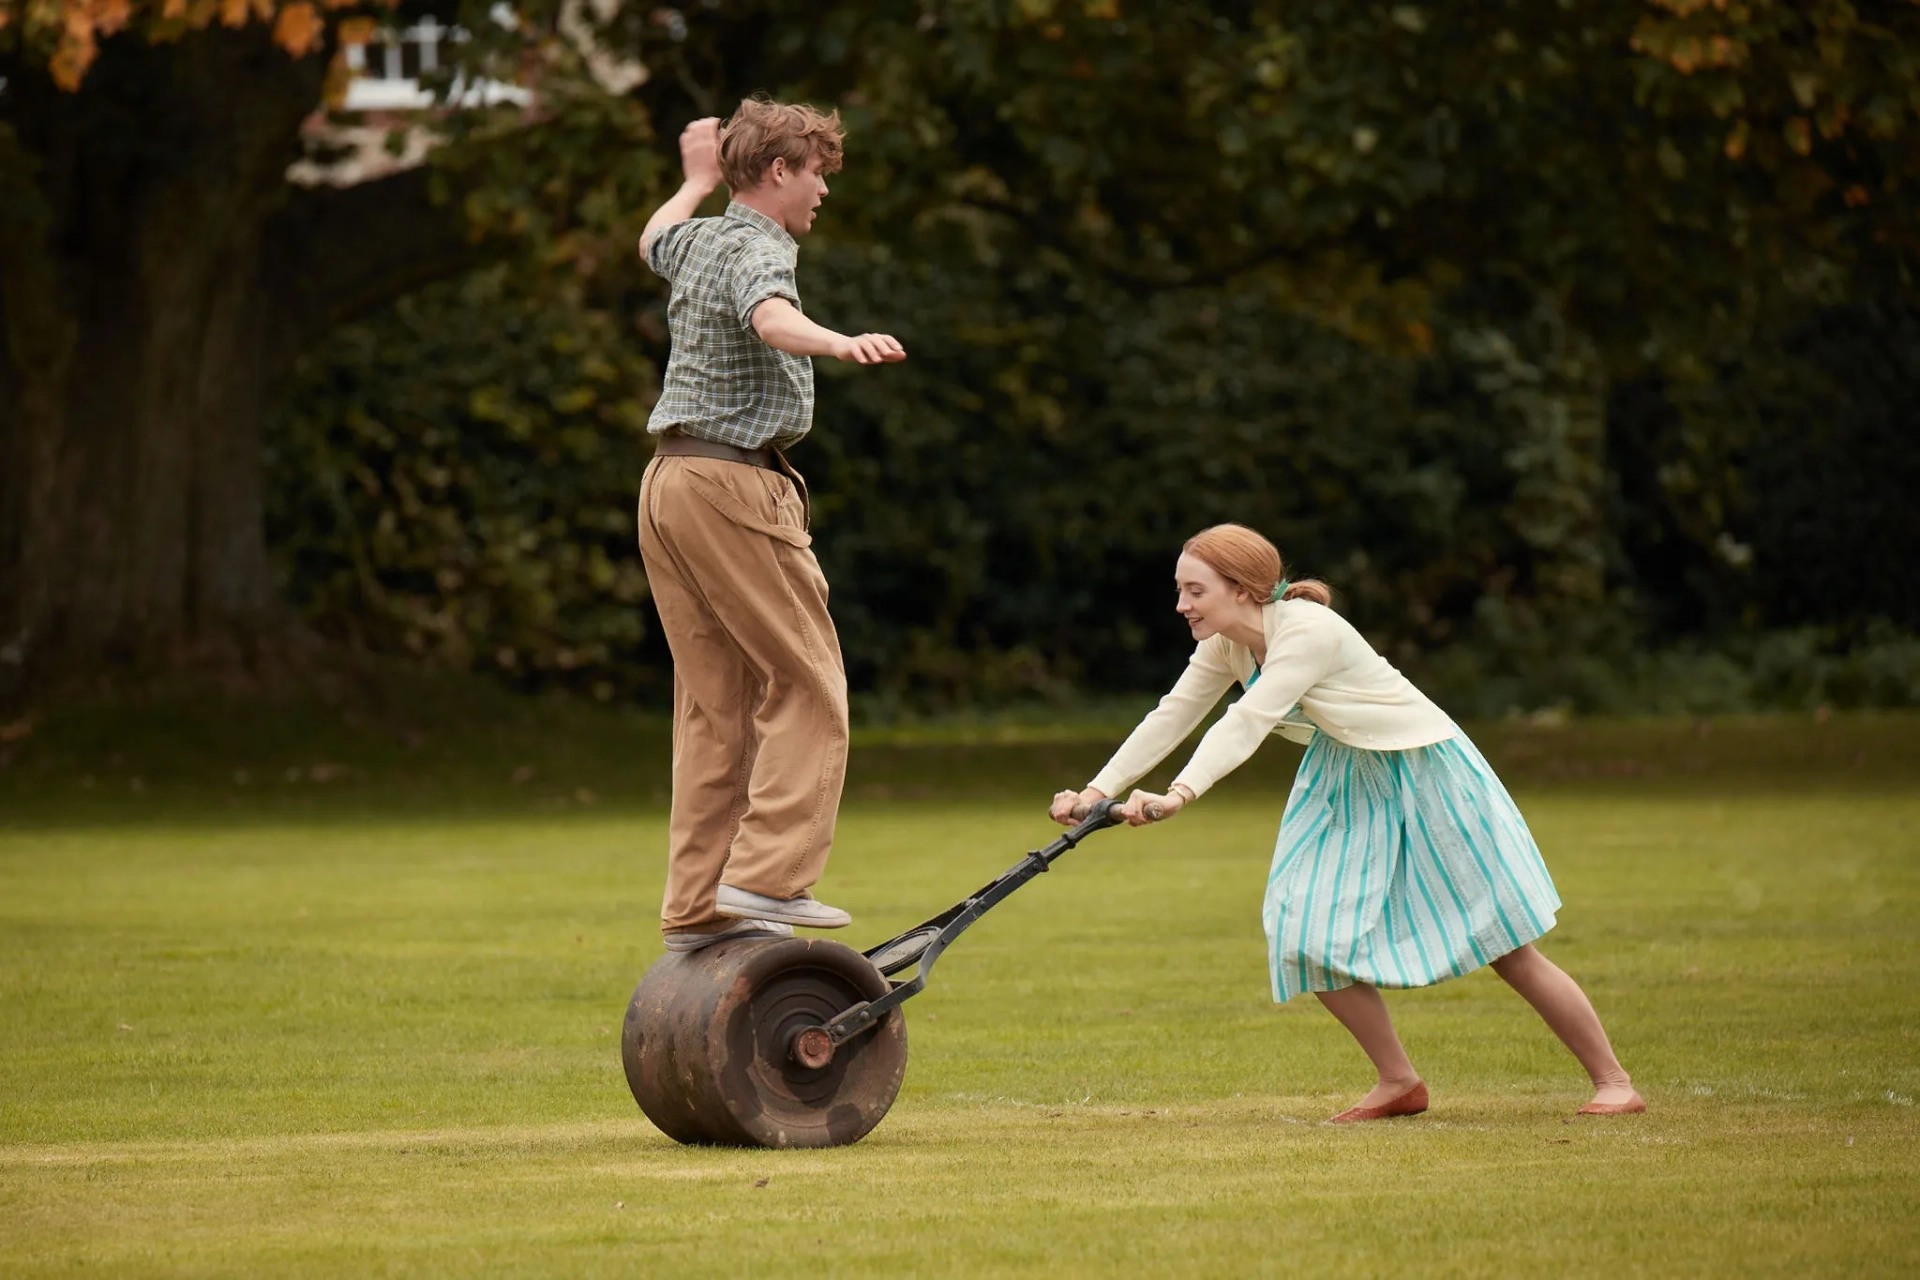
708	1045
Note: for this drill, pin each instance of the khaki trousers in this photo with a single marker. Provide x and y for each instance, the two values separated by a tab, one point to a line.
759	688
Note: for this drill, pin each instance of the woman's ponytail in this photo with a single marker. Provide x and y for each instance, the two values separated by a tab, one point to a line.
1307	589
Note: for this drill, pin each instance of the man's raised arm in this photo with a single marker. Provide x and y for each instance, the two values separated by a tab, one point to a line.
700	161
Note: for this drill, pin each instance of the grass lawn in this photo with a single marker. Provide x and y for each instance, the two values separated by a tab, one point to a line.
323	997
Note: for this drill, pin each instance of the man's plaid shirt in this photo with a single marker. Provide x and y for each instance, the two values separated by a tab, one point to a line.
723	383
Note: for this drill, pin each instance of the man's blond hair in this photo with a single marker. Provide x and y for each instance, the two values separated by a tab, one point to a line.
762	131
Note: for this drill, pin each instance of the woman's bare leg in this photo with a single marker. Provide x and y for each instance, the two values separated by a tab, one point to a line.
1565	1008
1363	1013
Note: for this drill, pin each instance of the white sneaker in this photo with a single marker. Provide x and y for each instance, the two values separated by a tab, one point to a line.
802	910
694	939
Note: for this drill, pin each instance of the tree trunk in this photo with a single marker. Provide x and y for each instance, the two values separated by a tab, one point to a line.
158	276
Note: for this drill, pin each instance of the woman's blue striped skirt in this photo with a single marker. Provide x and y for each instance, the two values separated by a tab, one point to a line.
1399	868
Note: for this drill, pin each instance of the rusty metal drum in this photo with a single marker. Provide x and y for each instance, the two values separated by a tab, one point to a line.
721	1045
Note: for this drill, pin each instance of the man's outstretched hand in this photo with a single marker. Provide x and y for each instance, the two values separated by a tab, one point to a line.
870	348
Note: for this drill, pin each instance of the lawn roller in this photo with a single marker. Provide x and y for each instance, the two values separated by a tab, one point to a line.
795	1042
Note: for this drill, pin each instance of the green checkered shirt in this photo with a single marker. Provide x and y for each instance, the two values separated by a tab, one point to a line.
723	383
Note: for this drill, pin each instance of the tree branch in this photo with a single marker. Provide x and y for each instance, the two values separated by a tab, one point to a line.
334	254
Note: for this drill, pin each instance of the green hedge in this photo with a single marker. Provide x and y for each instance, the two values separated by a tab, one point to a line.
455	480
999	515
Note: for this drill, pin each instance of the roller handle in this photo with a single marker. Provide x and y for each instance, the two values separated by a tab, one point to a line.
1081	812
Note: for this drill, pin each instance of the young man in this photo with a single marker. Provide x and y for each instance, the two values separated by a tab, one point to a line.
760	693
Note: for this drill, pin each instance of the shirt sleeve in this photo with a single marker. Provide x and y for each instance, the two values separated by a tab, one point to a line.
760	272
1301	657
1207	676
664	250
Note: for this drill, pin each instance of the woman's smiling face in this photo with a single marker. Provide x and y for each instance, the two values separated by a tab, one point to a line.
1207	601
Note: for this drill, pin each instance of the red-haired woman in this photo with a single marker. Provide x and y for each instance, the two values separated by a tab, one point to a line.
1401	860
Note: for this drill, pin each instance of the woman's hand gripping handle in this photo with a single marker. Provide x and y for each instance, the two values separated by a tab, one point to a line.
1140	808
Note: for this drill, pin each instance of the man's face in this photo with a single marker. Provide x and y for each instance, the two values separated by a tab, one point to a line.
797	193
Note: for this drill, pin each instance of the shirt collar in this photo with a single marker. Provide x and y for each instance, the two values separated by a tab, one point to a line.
757	220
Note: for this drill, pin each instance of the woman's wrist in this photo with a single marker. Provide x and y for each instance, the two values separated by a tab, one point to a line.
1186	793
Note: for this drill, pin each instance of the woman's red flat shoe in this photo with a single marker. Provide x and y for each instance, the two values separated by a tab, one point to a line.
1631	1107
1410	1103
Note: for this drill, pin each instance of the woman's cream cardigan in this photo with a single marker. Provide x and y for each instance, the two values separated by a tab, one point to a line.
1315	660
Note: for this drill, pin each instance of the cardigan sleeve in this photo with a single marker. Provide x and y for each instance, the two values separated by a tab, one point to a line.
1207	676
1300	658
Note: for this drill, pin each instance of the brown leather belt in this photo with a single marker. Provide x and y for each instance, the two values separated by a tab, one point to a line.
672	443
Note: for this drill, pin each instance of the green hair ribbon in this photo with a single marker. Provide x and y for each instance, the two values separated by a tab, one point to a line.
1279	591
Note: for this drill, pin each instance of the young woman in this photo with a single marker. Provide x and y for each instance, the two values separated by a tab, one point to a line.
1401	860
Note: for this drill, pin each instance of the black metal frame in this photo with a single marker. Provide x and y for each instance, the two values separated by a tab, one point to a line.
942	929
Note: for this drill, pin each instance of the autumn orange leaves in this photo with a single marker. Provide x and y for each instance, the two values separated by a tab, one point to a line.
70	31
